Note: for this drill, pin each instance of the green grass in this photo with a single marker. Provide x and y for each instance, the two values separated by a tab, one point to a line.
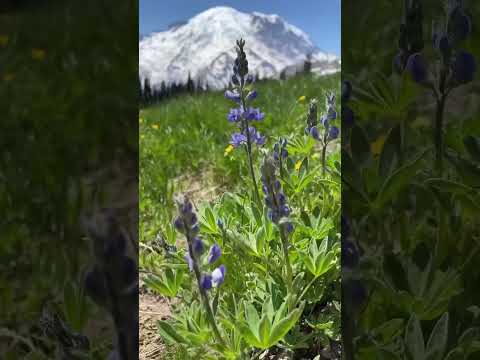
188	135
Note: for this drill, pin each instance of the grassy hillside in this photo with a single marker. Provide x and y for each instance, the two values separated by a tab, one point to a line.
188	136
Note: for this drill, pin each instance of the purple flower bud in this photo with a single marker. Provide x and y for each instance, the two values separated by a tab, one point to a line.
206	281
189	261
214	254
417	68
193	219
252	95
282	199
331	113
249	79
314	132
277	185
285	210
186	207
178	223
218	275
333	133
235	80
459	24
220	223
195	229
464	67
284	153
197	246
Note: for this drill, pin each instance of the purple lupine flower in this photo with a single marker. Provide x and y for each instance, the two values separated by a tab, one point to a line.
234	115
218	275
459	23
238	139
289	227
214	254
254	114
333	133
255	136
275	199
232	95
206	281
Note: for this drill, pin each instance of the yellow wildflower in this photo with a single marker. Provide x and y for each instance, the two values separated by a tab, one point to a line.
301	99
8	77
228	149
4	40
298	165
38	54
377	146
155	126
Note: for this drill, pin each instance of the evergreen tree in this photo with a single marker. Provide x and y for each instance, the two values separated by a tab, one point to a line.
307	65
147	90
190	84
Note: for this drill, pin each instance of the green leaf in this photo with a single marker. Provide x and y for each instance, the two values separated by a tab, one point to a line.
264	331
252	319
437	343
398	181
414	339
169	333
249	336
285	324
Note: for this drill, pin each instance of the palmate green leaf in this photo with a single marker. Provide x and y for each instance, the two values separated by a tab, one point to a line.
389	330
249	336
324	263
414	341
398	181
285	325
169	334
437	343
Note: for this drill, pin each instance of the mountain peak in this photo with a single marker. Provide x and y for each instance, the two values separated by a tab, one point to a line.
205	47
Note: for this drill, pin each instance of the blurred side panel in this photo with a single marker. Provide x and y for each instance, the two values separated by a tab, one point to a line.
411	180
68	179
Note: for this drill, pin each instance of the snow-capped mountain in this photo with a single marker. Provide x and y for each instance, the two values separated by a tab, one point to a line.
205	47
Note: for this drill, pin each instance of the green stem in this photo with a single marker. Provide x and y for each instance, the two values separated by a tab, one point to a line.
324	153
249	145
288	265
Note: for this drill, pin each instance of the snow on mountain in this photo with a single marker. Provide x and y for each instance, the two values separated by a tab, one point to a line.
205	47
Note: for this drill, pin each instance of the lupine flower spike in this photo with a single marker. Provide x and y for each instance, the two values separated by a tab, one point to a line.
330	132
278	209
244	115
187	224
457	66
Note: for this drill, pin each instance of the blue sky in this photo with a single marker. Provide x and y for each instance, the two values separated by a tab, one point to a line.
320	19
